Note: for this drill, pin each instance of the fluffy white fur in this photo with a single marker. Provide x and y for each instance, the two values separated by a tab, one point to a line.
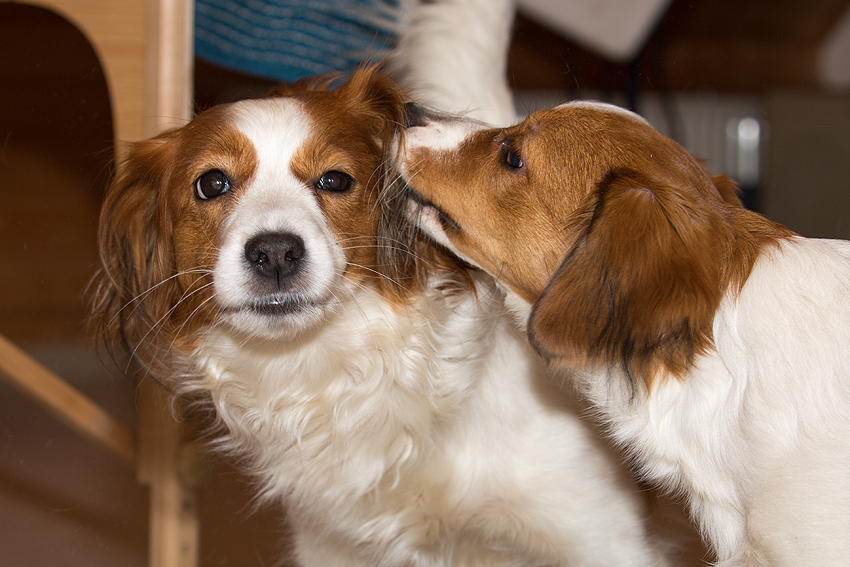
757	434
428	437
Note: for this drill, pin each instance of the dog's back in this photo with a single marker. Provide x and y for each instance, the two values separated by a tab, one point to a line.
785	340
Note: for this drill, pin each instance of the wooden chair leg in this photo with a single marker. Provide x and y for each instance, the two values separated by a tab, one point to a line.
168	466
145	47
163	447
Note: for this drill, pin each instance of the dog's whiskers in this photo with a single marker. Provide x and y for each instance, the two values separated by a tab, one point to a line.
157	326
137	300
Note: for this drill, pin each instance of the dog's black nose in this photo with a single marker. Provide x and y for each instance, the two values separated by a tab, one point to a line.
275	256
414	115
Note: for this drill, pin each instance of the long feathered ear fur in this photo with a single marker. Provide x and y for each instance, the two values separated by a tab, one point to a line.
372	87
135	288
404	256
640	286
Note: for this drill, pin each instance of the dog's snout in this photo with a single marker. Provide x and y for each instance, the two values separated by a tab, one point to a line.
275	256
414	115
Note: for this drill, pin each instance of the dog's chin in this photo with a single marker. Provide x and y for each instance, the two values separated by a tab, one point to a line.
276	318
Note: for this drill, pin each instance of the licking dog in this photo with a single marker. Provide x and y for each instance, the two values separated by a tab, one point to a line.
712	341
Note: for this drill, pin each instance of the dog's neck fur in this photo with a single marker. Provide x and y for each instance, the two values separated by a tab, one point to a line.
352	387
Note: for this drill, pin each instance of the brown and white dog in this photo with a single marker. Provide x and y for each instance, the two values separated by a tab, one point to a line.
713	342
403	423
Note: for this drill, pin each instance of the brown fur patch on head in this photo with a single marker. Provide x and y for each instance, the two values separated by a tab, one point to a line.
353	127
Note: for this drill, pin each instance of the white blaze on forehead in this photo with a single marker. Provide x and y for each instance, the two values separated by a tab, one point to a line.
277	128
275	200
281	121
437	135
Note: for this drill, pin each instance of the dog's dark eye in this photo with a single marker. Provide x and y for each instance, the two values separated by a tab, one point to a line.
213	183
334	182
510	155
513	159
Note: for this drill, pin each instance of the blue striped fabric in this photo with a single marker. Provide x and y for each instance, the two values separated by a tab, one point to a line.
285	40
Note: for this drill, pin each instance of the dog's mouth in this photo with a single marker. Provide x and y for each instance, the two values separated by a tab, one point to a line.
420	205
275	316
271	307
278	306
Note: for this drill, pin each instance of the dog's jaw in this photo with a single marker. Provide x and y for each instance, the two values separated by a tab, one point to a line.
439	132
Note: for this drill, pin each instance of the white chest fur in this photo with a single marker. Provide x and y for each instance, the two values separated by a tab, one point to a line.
425	436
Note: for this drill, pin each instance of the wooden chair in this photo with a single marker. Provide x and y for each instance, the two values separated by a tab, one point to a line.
145	49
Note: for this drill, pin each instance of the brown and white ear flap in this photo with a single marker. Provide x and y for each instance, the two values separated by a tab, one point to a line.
372	87
134	247
640	286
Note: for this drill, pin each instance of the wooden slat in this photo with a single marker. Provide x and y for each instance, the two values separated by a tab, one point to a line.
174	526
64	402
168	74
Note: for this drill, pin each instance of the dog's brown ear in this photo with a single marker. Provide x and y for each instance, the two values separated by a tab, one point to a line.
384	99
135	286
640	286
